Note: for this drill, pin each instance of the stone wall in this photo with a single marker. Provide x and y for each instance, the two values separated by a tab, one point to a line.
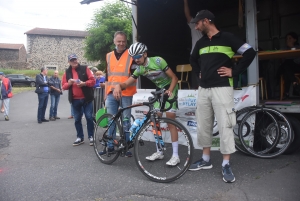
53	50
20	65
22	54
9	55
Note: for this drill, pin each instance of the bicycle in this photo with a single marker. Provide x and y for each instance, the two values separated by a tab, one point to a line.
152	134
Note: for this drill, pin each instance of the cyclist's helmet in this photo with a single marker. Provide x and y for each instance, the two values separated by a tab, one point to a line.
137	48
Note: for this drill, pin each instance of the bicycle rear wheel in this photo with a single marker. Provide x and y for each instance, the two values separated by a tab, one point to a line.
286	133
102	126
145	145
245	130
263	125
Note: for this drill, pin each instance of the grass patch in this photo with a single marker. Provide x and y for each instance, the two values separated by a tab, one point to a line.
17	90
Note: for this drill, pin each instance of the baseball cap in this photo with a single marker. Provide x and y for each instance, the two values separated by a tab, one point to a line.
72	56
1	73
202	14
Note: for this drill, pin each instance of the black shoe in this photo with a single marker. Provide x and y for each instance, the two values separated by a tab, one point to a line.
52	119
78	141
228	176
57	117
45	120
128	154
40	122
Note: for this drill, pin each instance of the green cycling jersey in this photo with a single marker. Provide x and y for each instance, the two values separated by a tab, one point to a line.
154	71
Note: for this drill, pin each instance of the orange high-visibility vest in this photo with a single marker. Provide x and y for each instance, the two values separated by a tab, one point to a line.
118	71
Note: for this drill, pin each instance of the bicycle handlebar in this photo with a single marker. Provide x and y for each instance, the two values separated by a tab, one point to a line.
157	95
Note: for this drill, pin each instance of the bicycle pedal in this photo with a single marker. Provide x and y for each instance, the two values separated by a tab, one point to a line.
141	142
122	154
106	137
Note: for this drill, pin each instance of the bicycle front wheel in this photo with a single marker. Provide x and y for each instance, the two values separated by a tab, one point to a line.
145	145
102	126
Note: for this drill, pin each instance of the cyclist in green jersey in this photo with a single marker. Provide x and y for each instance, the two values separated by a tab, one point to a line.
157	70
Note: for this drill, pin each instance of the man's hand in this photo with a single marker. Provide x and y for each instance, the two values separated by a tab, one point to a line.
117	92
169	93
225	72
81	84
70	82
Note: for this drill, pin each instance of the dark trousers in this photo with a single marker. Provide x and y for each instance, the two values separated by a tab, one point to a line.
43	101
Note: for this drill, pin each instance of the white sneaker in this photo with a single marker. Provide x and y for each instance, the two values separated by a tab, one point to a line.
173	161
91	141
156	155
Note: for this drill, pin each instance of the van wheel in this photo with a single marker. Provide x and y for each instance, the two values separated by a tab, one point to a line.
295	145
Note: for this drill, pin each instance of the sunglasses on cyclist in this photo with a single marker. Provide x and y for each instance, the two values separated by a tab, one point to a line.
138	56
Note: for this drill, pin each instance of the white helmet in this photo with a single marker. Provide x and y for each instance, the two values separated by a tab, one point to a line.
137	48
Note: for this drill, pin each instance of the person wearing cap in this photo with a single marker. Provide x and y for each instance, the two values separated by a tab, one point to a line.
79	80
42	90
212	60
195	34
5	94
118	69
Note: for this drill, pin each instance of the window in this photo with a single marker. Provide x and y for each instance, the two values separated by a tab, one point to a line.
51	67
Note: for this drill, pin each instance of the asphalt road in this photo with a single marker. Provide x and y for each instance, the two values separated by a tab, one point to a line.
38	162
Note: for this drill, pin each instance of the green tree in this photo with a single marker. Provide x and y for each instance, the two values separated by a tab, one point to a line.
107	20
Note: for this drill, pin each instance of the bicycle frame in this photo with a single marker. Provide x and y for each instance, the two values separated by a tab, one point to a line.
151	114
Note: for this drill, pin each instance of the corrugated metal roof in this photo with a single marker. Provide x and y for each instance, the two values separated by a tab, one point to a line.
10	46
57	32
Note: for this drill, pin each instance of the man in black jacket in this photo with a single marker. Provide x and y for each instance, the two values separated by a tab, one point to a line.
42	90
212	60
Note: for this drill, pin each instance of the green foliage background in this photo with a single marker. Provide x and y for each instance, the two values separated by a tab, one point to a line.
112	17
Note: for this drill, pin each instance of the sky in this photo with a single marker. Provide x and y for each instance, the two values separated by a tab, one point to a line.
20	16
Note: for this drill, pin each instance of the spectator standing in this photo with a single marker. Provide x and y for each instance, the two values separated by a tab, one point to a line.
100	79
212	60
119	69
42	90
195	34
55	92
79	80
5	94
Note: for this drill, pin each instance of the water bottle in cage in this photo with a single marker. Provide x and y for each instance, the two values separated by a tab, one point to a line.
134	126
158	133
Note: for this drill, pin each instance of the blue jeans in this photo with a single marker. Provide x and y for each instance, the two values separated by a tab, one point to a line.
80	107
72	110
54	104
43	101
112	106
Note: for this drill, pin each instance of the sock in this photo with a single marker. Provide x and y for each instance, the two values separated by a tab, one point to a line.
225	162
205	157
158	150
175	148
